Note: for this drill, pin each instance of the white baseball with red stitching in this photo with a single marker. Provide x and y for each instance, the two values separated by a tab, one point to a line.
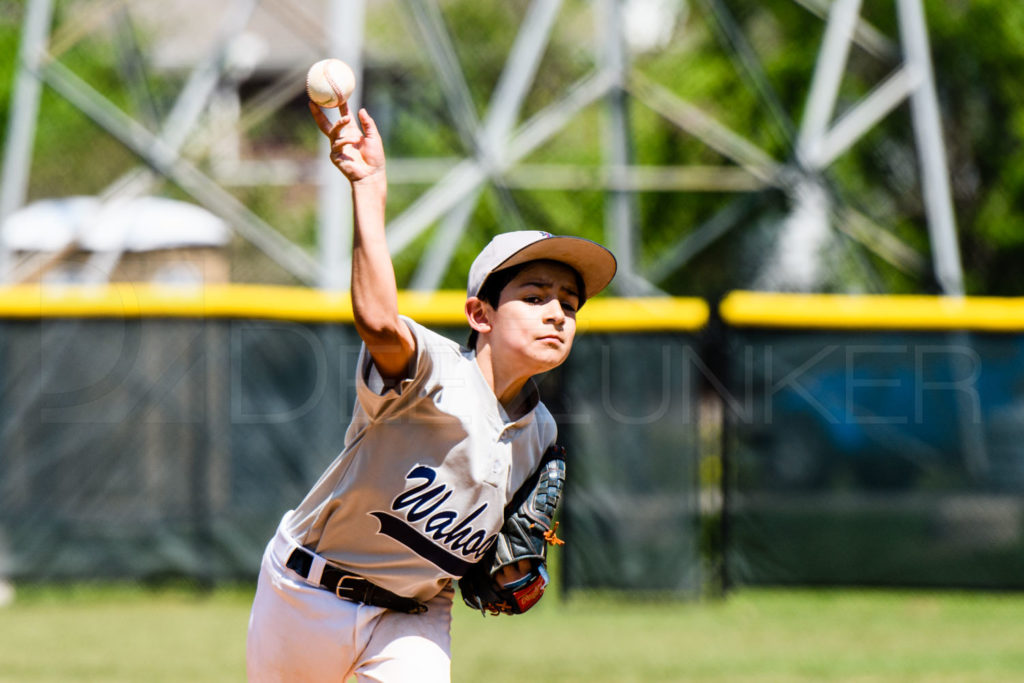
330	82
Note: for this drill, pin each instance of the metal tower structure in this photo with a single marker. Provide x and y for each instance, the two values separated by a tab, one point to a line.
501	137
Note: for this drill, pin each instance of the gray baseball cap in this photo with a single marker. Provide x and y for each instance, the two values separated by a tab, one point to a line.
595	264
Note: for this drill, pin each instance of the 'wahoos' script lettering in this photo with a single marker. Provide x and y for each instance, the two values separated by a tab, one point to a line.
432	531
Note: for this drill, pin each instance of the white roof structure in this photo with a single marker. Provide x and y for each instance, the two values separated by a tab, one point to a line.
134	225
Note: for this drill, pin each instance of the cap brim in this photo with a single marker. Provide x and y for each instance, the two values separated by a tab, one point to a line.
595	264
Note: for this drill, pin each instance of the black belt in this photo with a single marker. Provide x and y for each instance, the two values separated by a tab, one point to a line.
352	587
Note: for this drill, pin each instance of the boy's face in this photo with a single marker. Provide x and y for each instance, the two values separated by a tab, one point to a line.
535	321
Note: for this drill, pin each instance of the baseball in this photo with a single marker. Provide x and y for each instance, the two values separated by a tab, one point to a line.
330	82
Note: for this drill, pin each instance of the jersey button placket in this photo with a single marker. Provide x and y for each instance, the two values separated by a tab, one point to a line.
500	458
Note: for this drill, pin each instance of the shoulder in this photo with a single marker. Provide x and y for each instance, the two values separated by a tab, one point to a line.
435	359
430	340
435	353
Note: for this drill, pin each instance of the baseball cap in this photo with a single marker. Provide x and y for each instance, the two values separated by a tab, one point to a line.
595	264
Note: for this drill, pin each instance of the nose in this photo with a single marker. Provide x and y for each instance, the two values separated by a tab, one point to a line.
553	312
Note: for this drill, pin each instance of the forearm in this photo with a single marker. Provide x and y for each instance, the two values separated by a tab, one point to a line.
374	291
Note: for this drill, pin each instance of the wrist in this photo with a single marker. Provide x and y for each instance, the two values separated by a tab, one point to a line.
375	181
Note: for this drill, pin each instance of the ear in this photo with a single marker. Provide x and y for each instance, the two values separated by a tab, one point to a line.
478	313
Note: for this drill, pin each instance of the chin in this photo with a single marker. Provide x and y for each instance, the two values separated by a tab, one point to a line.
551	361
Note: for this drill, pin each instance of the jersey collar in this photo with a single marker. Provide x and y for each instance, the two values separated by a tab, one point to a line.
528	397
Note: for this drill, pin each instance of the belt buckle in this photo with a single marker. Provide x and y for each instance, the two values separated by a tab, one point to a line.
351	589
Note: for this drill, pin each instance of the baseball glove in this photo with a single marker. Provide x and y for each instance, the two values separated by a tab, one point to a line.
528	531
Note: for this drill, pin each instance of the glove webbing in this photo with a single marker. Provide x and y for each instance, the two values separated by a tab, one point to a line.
555	456
546	494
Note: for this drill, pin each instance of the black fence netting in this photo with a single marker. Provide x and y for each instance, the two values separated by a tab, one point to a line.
627	406
167	447
148	447
152	447
886	458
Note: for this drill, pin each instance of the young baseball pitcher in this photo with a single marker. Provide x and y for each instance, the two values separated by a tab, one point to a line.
449	468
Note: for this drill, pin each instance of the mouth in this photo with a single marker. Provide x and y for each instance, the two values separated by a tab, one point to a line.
554	338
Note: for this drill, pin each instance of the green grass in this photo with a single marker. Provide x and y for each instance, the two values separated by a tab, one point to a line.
124	633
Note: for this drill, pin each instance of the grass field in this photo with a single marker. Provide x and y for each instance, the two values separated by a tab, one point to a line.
124	633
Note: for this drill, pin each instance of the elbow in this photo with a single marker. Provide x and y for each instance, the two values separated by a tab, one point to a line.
379	330
390	343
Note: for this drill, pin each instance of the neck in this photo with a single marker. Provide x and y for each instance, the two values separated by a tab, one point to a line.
506	385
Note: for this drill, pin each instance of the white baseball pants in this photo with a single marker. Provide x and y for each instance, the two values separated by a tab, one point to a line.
301	632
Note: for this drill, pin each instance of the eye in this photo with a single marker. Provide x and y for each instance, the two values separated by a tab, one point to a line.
532	299
568	306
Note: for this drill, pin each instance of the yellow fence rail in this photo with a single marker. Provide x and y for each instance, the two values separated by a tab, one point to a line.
146	300
877	312
604	314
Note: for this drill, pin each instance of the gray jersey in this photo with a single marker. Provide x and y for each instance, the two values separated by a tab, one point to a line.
418	493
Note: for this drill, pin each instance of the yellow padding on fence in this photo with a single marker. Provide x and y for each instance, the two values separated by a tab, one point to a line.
138	300
145	300
897	312
643	315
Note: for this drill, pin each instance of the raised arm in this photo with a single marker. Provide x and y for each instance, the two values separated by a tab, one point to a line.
360	156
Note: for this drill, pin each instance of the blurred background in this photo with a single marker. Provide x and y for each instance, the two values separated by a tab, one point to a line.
717	146
699	137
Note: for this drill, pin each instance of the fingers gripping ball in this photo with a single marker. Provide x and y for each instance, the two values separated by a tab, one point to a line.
528	531
330	82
